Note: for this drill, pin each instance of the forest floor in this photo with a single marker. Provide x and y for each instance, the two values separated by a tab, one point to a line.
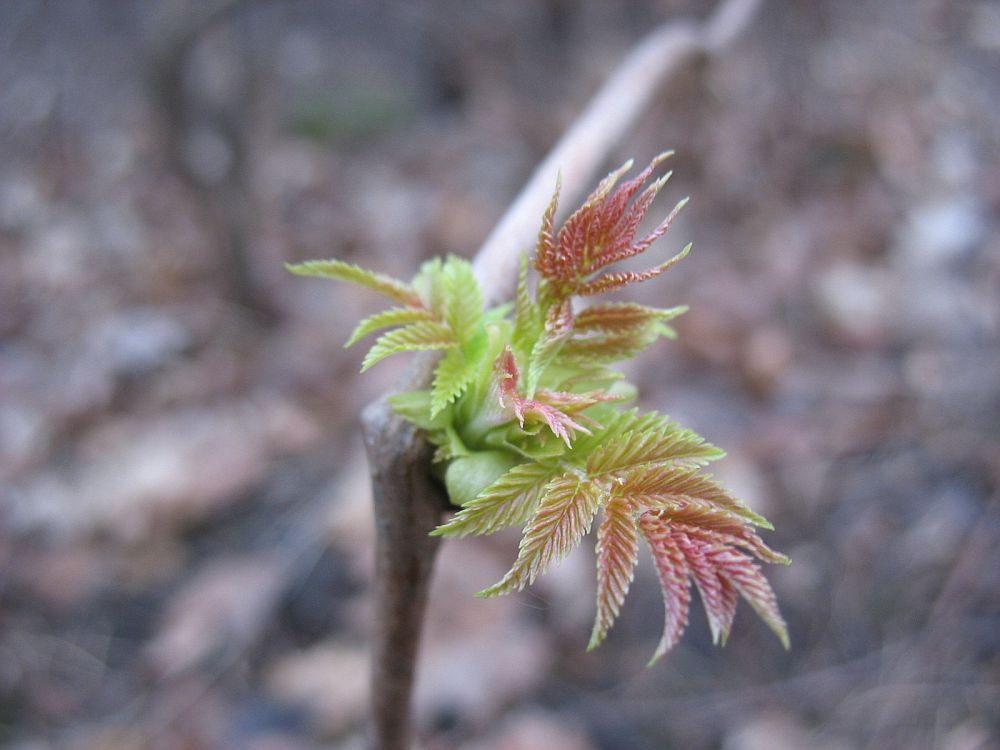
185	526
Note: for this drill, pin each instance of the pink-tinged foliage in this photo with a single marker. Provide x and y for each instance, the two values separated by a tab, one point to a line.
655	484
610	281
620	317
607	349
719	571
617	554
745	575
547	249
726	528
672	570
557	328
601	232
562	424
711	587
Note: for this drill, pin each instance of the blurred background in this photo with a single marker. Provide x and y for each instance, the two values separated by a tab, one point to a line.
185	529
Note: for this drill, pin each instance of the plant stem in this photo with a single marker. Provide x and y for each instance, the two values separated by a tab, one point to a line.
408	504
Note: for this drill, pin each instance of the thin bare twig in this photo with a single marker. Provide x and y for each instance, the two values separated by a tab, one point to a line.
408	503
225	201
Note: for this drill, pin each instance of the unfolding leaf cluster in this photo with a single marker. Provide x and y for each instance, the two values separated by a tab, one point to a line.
531	428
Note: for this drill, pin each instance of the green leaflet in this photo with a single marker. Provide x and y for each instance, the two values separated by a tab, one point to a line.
416	407
395	316
456	370
450	379
392	288
660	442
558	325
533	442
528	321
423	336
429	286
463	302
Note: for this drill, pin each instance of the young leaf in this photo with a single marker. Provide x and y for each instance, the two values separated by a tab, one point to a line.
610	318
532	442
463	300
617	554
564	514
727	527
429	285
719	572
422	336
660	442
672	570
716	599
611	281
467	477
415	406
395	316
745	576
558	325
453	374
601	350
602	231
563	259
509	501
546	248
655	483
625	247
392	288
528	321
613	423
562	424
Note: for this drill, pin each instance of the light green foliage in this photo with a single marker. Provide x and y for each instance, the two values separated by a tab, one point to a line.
397	316
423	336
554	448
378	282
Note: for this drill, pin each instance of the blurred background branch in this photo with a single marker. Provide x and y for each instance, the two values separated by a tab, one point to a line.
205	140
